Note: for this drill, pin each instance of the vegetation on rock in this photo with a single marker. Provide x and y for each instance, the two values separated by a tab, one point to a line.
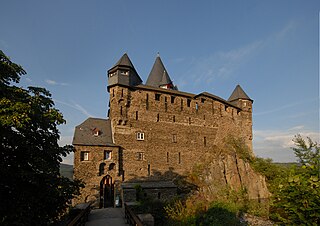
32	190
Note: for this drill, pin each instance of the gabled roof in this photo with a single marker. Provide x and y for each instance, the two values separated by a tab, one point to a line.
238	93
86	133
158	75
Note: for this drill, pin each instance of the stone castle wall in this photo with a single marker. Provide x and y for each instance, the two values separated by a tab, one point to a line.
178	129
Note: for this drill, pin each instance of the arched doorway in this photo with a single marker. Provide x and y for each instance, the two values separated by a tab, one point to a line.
106	192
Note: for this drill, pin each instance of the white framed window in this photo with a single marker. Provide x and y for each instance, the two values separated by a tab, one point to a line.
107	155
140	136
84	156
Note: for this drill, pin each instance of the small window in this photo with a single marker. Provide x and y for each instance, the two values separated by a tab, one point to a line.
84	156
96	132
174	138
107	155
157	97
204	141
167	156
174	118
137	115
124	72
140	156
149	170
121	92
188	102
101	168
158	117
179	158
140	136
203	100
172	99
197	107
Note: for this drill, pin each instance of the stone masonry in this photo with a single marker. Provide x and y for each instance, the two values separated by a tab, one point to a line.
155	133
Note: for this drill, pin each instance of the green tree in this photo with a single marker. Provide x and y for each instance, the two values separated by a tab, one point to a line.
31	189
297	200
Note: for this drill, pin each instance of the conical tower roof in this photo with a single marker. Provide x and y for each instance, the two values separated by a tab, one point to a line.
238	93
158	75
124	61
165	79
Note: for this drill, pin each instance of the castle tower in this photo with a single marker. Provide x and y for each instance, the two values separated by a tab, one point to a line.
159	76
123	73
243	101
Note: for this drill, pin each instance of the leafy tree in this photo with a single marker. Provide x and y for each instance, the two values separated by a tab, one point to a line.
31	189
297	200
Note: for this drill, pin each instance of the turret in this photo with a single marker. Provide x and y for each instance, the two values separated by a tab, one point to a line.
243	101
159	76
123	73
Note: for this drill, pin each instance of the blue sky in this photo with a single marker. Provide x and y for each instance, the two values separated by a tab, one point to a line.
270	48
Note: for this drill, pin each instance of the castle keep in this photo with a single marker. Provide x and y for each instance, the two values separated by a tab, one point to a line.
153	133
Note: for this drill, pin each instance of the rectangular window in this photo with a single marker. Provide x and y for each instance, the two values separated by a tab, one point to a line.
197	107
165	106
174	118
158	117
202	100
179	158
181	106
140	156
84	156
204	141
188	102
174	138
149	170
147	102
137	115
167	156
157	96
140	136
107	155
172	99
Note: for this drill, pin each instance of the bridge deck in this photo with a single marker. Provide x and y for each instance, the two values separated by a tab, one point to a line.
107	216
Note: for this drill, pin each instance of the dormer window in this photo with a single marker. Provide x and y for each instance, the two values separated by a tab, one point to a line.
96	132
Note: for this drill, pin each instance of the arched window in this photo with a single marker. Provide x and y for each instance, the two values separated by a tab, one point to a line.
101	168
112	166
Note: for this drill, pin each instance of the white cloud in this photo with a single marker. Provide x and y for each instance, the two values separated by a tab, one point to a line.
68	159
277	144
52	82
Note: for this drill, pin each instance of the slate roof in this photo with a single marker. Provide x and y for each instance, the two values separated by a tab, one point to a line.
165	79
238	93
124	61
93	131
158	75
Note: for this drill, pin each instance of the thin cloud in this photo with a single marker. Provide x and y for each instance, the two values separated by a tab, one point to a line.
283	107
52	82
76	107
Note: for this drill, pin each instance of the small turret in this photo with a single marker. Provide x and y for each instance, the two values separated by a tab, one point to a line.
240	99
159	76
123	73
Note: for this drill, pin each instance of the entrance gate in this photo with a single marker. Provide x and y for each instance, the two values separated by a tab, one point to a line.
106	192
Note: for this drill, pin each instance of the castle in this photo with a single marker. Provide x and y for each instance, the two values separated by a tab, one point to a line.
153	133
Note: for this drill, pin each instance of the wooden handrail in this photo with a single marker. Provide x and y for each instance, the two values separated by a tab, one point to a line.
130	216
82	216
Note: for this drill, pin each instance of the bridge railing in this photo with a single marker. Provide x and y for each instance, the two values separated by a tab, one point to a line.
130	216
81	218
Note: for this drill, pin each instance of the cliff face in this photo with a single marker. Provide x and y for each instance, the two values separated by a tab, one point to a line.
229	170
